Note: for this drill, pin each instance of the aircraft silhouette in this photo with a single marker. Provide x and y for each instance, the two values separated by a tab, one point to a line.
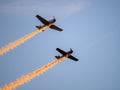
49	23
66	53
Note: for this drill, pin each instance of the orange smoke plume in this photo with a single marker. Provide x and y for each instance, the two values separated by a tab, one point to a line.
14	44
31	75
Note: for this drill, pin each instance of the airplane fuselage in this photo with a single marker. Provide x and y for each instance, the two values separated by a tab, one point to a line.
65	55
51	22
69	52
45	26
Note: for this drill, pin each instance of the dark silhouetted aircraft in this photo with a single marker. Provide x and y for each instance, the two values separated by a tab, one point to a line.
66	53
48	24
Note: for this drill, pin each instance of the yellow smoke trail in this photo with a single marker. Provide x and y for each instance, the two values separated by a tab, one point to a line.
19	41
31	75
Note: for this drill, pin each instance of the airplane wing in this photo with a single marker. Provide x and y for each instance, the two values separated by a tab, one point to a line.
42	20
55	27
72	57
61	51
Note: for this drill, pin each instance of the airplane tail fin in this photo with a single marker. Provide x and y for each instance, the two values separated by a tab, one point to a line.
71	50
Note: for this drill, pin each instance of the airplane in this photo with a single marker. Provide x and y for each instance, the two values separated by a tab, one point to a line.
66	53
48	24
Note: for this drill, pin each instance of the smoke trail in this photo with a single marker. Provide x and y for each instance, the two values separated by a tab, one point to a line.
31	75
18	42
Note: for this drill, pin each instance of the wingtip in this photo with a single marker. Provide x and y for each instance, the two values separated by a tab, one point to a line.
57	48
37	15
77	60
61	30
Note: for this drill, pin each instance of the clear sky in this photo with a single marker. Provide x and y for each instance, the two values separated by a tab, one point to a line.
91	29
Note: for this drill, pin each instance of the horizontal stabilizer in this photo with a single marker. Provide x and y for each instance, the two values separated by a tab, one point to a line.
38	27
57	57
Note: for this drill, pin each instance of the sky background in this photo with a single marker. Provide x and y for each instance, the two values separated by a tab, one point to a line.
91	29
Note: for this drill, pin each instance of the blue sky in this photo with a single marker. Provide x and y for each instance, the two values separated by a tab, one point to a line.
91	29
